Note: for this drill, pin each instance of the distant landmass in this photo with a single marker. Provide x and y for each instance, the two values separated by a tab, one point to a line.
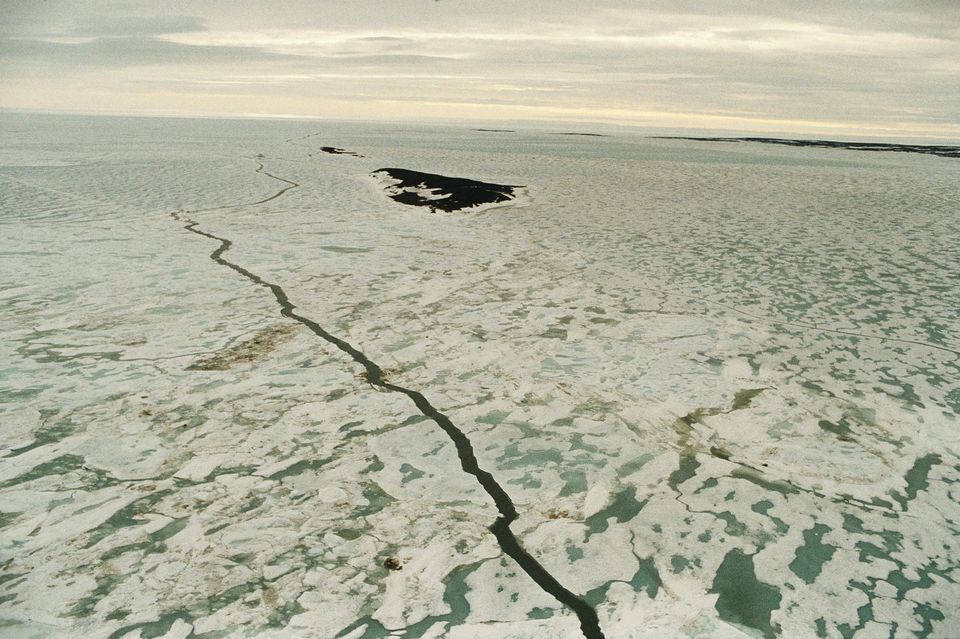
589	135
942	151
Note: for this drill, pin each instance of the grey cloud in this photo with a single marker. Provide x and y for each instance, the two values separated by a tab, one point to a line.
388	59
772	58
131	51
907	16
145	50
51	18
108	25
395	39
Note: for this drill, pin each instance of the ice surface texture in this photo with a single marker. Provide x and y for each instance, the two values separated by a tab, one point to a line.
717	383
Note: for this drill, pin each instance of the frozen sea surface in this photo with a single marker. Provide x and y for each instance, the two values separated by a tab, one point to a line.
718	383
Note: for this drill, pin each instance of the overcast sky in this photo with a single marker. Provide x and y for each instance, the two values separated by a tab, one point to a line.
838	67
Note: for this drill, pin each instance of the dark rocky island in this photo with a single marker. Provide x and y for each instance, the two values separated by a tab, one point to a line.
942	151
442	193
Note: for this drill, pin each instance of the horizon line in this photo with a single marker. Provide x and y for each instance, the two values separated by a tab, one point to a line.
465	120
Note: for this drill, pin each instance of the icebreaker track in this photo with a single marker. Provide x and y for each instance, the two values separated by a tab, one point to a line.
373	374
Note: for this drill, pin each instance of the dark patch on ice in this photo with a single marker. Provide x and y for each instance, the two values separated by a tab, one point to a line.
345	249
587	135
720	453
442	193
623	508
773	485
687	469
809	558
917	479
392	563
495	130
646	578
742	599
47	433
927	149
743	399
335	151
841	429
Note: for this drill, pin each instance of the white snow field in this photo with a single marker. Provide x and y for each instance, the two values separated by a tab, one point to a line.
674	388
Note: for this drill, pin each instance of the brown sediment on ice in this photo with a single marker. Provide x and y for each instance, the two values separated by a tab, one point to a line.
263	342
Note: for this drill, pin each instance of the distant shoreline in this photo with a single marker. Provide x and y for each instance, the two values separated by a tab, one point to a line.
927	149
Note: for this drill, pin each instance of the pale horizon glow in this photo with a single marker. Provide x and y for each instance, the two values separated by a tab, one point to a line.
750	66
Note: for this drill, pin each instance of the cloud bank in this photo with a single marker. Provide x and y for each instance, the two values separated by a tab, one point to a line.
814	68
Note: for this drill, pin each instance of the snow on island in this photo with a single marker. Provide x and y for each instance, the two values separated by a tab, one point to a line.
441	193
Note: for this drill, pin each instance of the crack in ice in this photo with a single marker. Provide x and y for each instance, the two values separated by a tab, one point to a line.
506	539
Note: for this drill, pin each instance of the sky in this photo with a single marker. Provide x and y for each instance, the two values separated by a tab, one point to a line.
866	68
